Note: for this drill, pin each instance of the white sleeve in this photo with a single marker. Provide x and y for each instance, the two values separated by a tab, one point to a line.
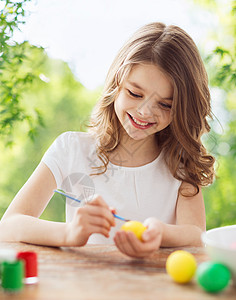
57	157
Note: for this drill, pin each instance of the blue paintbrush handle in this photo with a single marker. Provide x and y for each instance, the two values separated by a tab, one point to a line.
120	218
72	198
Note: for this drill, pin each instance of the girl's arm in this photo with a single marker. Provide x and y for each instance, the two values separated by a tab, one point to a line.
190	223
20	222
190	220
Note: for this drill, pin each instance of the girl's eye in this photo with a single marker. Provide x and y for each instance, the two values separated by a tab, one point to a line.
134	95
165	105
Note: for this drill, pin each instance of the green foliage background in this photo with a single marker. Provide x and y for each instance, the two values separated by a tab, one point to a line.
220	198
41	98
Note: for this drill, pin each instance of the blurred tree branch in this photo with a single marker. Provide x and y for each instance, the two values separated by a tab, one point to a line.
16	73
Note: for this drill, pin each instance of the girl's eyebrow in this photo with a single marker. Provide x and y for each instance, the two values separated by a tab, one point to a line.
139	87
135	85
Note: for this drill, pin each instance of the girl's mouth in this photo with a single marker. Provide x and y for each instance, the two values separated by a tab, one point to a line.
138	123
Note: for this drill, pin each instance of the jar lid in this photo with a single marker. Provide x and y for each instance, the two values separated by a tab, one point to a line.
7	255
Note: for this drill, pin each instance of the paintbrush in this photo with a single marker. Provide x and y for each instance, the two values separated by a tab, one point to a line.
72	198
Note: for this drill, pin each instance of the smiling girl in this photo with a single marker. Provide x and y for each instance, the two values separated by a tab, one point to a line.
142	155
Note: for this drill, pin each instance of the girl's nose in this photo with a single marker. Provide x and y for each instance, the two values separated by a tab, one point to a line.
145	108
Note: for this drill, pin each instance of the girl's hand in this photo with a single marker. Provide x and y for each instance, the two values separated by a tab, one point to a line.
128	243
94	217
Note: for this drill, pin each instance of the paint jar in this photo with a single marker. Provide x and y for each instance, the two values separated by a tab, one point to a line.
31	266
12	275
8	255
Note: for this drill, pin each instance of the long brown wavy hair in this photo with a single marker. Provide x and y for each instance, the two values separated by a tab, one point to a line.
173	50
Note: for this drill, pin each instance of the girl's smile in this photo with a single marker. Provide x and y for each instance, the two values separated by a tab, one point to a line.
137	123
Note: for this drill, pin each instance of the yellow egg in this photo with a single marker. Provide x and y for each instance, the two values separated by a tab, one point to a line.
181	266
136	227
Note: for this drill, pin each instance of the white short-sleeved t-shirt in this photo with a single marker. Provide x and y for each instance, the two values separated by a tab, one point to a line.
136	193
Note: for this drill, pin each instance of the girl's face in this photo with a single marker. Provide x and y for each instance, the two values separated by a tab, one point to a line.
143	105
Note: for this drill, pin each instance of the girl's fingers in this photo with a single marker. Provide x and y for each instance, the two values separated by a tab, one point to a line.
98	211
100	208
113	210
150	234
145	248
154	229
98	221
98	200
122	244
137	245
125	244
128	243
118	242
97	229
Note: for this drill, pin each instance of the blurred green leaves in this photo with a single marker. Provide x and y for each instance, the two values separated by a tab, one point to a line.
225	75
17	72
220	198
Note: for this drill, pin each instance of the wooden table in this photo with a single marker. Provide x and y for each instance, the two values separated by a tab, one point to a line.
102	272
